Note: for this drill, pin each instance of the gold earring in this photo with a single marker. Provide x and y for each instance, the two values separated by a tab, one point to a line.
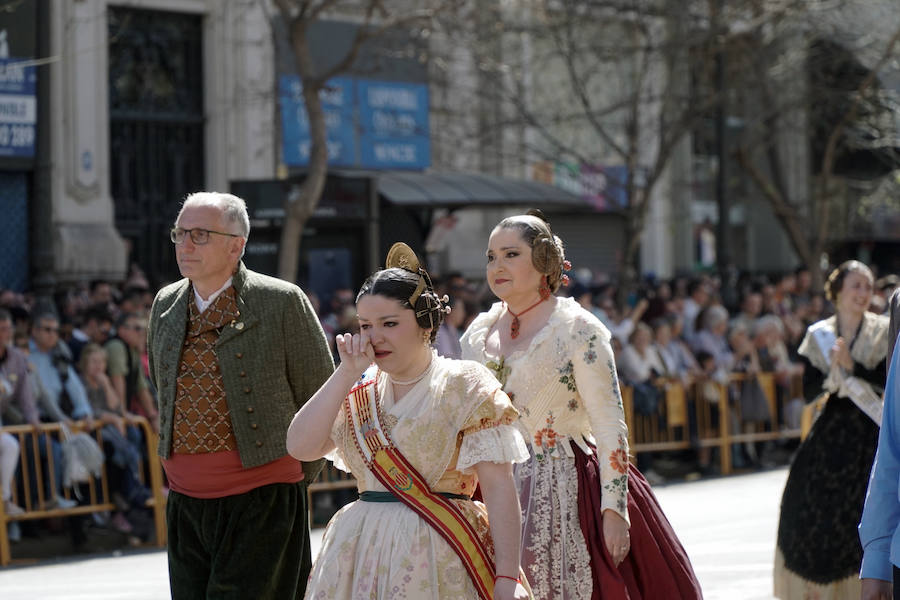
426	338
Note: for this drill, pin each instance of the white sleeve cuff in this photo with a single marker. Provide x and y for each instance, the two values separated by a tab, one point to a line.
500	444
337	458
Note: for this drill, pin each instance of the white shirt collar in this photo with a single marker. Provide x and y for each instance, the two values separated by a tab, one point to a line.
202	304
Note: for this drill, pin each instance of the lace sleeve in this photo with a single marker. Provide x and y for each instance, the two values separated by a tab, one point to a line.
500	444
596	380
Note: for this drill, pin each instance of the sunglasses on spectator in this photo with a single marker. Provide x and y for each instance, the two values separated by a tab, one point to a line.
198	236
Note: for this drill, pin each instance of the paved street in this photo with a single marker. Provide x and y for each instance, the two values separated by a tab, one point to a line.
727	525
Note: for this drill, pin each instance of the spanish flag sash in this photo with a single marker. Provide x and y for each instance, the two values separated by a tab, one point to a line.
392	469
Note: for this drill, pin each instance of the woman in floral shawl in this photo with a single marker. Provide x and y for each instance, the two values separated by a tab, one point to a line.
818	553
591	527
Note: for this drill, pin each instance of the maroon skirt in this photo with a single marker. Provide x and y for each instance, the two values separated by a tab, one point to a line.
656	567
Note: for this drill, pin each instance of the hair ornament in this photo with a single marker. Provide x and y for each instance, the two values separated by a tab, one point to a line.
567	265
565	279
402	256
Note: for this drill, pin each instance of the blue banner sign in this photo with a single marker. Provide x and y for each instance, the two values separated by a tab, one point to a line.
18	108
370	124
393	125
337	103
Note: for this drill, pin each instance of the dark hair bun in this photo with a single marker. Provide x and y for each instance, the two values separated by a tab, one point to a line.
536	212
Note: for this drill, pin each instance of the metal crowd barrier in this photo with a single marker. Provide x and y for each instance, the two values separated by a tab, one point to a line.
669	428
97	499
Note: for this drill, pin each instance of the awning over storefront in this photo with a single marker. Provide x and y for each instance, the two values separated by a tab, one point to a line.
450	190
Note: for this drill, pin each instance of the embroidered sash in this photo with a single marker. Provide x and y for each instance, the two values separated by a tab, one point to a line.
392	469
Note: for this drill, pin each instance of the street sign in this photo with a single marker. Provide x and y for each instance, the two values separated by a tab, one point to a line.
370	124
18	108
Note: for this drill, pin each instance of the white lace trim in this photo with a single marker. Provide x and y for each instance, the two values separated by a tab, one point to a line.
337	458
501	444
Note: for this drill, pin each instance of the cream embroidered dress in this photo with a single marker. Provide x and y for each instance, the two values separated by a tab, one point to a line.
454	418
557	417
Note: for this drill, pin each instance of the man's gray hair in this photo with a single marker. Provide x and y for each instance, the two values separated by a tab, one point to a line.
234	209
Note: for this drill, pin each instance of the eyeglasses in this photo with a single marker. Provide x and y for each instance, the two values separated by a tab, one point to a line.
49	329
134	327
198	236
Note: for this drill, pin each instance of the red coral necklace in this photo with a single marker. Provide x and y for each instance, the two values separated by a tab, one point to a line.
514	327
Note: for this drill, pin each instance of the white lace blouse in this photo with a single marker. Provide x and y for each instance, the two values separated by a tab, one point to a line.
565	387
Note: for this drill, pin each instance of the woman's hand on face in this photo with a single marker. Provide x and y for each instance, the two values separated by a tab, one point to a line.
355	351
615	534
507	589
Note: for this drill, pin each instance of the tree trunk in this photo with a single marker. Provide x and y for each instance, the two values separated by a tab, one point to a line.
299	207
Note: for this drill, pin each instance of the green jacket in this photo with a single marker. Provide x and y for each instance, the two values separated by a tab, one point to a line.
272	361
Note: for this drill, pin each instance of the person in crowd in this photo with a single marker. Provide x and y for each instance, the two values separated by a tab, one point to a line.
122	442
101	294
619	323
659	297
233	355
878	305
125	371
95	327
818	551
640	367
785	286
711	336
768	338
583	295
884	288
878	529
447	341
802	286
453	425
675	359
751	308
9	457
31	404
132	301
751	402
53	364
18	406
698	297
332	322
591	525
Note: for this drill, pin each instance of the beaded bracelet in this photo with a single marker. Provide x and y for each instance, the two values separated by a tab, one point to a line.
516	579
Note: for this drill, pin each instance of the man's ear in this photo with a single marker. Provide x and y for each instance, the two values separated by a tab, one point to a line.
238	248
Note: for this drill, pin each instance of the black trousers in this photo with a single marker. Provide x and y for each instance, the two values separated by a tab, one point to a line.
252	545
896	583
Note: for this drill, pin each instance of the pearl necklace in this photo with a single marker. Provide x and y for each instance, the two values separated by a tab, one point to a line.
415	379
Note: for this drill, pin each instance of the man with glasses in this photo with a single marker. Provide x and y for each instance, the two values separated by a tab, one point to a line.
53	363
63	397
233	355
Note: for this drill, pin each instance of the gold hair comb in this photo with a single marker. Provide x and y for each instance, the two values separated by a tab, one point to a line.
402	256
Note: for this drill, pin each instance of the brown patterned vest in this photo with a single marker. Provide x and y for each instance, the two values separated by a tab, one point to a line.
202	422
